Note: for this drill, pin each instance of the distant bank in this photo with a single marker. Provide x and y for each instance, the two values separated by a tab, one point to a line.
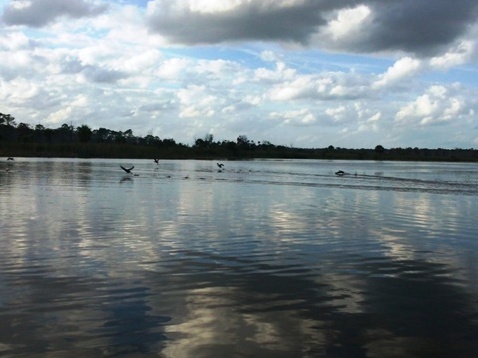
230	152
24	140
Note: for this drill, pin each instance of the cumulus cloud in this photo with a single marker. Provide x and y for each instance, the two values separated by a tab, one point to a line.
301	87
103	75
437	105
196	21
346	27
39	13
302	117
337	113
92	73
413	26
195	101
403	68
109	71
419	26
324	86
455	56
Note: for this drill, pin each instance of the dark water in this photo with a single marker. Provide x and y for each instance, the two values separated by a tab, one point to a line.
263	259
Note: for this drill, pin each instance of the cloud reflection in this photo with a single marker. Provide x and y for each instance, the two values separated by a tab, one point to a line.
222	267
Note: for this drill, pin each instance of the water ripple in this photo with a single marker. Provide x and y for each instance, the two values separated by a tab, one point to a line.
266	258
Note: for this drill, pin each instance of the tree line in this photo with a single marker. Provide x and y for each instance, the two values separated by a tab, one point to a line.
23	139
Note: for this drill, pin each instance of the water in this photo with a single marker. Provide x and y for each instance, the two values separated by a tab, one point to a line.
268	258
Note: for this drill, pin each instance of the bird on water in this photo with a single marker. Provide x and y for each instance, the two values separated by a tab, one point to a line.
127	170
340	173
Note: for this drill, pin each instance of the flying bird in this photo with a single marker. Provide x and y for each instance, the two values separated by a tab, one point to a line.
220	165
10	158
127	170
340	173
156	161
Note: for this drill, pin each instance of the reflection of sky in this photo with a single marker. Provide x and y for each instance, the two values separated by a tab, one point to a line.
253	260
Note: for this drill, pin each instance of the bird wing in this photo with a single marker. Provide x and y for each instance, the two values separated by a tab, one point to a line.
127	170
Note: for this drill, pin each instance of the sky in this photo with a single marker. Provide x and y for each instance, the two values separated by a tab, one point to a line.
302	73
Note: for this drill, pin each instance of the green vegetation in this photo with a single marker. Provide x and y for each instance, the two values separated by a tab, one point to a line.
23	140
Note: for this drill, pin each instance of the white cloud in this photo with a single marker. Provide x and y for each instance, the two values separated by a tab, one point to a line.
171	69
436	105
455	56
375	118
14	41
196	102
205	6
301	117
260	75
287	91
280	73
18	91
346	25
424	108
337	113
61	116
402	69
269	56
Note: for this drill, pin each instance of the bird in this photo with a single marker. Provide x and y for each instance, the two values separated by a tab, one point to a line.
10	158
340	173
220	165
127	170
156	161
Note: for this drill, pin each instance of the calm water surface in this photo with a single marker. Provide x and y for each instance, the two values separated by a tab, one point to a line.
268	258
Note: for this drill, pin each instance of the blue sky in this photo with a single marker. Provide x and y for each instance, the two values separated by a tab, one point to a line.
305	73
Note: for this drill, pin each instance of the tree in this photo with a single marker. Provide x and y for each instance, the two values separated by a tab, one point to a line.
64	133
7	119
169	142
242	141
379	149
267	144
84	133
199	143
151	140
205	142
103	135
10	120
209	138
23	129
119	137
